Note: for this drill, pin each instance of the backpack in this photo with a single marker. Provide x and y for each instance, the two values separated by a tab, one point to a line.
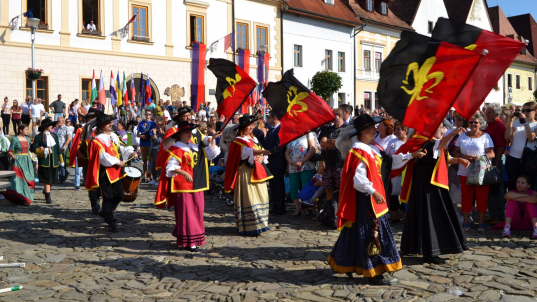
327	215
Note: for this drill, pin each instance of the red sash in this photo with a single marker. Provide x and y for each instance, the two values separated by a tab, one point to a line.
178	183
259	172
94	163
347	197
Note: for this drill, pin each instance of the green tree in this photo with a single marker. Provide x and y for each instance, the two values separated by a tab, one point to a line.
325	84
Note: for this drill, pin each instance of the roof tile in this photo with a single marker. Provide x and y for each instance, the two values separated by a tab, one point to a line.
318	8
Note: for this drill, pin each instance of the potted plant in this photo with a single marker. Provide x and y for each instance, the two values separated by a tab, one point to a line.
33	73
42	25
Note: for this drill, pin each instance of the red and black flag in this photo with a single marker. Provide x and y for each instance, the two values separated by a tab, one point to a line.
233	86
420	80
298	109
500	54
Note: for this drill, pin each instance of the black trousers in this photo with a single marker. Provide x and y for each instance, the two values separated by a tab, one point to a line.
112	194
277	189
93	195
25	118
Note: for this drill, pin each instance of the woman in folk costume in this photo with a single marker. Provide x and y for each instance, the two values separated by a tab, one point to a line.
432	227
183	115
177	186
23	185
366	245
49	158
247	175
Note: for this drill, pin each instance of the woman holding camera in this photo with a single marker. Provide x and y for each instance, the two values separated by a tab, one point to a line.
519	133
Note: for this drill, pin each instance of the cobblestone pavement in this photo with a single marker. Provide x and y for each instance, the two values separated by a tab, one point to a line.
70	256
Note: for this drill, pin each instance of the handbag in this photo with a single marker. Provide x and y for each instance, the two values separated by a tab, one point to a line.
482	173
529	159
317	156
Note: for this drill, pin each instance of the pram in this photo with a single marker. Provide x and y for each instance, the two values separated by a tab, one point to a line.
216	186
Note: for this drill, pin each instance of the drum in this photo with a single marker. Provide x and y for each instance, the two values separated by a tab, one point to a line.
131	182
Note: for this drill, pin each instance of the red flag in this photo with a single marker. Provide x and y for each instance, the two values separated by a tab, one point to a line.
500	54
229	41
232	87
298	109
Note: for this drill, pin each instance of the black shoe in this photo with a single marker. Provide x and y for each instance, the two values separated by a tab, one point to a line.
113	227
192	249
434	260
349	275
96	211
379	280
47	198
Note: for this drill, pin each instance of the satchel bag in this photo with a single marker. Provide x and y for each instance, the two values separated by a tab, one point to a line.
492	174
317	156
529	159
482	173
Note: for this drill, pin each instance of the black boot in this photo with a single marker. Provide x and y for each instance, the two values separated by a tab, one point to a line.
47	198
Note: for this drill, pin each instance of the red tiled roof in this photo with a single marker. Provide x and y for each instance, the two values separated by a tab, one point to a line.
389	20
405	9
319	9
526	26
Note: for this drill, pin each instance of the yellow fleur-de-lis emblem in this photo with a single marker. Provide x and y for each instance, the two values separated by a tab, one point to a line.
191	159
230	91
294	98
421	77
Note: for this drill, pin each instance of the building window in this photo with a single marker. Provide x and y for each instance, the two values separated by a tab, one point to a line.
378	60
530	83
367	100
330	2
261	34
369	4
384	8
298	56
341	61
430	27
367	60
509	80
41	89
90	14
86	89
196	28
242	35
39	9
340	99
377	102
517	82
140	26
328	59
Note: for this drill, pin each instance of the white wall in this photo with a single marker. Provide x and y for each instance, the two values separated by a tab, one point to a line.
315	36
429	10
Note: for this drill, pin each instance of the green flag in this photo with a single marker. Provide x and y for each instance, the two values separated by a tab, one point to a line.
93	89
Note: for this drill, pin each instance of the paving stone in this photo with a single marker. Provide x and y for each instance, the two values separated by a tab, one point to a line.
490	295
441	297
405	275
416	284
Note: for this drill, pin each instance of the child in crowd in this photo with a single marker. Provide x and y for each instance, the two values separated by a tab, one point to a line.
521	198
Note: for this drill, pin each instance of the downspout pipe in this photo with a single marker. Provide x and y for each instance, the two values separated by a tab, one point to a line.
356	31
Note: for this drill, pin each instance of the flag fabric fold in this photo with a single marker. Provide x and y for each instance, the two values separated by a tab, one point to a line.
197	88
148	92
133	90
113	94
229	41
119	92
244	64
233	86
141	90
298	109
125	91
262	67
93	94
421	79
501	52
102	93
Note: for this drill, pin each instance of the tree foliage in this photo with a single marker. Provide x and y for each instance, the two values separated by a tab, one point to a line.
325	83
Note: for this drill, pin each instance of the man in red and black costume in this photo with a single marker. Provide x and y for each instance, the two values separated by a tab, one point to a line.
105	168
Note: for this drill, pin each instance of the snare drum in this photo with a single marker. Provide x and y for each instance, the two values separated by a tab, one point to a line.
131	182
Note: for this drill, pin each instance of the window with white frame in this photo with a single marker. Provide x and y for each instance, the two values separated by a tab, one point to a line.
378	60
298	56
367	60
369	5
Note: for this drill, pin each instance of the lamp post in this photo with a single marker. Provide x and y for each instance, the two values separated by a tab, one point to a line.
33	23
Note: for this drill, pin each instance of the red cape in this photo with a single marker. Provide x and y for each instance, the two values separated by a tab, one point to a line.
74	147
94	163
163	156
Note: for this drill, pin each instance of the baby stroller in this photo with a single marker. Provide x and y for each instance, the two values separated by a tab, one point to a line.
309	197
216	185
328	210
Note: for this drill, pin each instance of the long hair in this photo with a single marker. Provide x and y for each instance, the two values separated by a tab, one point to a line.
16	107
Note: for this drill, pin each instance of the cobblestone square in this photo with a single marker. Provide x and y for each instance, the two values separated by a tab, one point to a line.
71	256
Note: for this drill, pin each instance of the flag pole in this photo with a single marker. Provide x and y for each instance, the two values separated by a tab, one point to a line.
273	150
228	120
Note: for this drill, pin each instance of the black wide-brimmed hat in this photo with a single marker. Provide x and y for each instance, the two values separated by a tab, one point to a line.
104	118
246	120
46	123
363	121
92	112
183	126
180	112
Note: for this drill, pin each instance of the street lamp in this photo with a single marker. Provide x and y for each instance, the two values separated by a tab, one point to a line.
33	23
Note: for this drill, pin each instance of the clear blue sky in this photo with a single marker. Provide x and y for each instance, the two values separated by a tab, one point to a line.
516	7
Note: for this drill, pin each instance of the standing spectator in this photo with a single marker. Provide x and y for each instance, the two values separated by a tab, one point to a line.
16	115
81	111
62	132
73	108
157	134
159	109
169	106
518	132
25	118
122	131
276	165
87	106
36	110
151	107
202	114
401	132
58	108
453	170
235	119
496	131
332	159
385	133
144	130
301	170
471	145
6	116
347	113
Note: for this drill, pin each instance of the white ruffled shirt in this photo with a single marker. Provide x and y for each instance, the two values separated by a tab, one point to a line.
399	160
108	160
248	153
174	164
360	181
50	143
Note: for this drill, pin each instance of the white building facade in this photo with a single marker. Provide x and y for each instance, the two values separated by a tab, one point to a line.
158	43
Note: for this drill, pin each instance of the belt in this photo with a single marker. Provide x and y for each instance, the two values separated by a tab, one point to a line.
21	153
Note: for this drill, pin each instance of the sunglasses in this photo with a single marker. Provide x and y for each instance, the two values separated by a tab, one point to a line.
473	123
517	110
527	110
458	119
